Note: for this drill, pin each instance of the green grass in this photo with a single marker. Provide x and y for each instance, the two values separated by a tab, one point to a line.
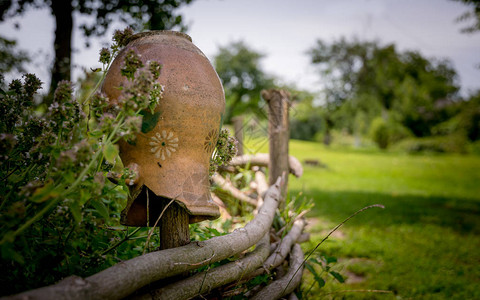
425	244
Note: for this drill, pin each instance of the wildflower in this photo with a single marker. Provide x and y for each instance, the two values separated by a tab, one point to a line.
132	64
105	56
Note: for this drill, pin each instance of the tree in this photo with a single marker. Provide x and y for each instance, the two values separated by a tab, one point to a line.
139	14
10	58
379	80
474	14
239	69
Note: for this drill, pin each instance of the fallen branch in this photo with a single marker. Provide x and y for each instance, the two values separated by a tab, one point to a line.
126	277
228	186
261	159
287	283
204	282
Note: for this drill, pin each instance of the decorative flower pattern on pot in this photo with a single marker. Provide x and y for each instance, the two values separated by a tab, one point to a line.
210	141
163	144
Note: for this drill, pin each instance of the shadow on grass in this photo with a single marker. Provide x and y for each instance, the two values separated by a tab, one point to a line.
461	215
423	247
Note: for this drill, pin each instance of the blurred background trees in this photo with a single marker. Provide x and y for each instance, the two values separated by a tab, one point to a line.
369	90
138	14
239	68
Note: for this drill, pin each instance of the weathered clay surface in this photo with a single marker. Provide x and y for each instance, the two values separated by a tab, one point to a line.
173	158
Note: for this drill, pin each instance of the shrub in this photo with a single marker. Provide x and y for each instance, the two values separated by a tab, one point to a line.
455	143
385	133
379	132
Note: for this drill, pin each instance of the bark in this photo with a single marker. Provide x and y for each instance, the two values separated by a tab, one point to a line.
238	127
224	214
205	282
288	283
174	230
262	160
228	186
283	249
126	277
262	187
62	10
292	296
305	237
278	133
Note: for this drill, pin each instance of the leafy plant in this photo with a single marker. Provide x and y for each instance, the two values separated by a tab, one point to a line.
58	211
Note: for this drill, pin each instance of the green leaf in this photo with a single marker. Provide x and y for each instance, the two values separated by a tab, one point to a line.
318	279
9	253
337	276
76	210
101	209
118	167
95	134
85	195
110	152
149	120
330	259
44	193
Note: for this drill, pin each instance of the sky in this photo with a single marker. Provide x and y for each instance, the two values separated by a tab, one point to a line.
284	30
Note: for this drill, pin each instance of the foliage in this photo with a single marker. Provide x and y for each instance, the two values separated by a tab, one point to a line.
385	133
58	206
143	14
378	80
474	14
306	118
59	213
225	150
239	69
466	120
454	143
379	132
10	58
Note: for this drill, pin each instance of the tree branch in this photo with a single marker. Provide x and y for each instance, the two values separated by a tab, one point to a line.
126	277
204	282
228	186
283	248
287	283
261	159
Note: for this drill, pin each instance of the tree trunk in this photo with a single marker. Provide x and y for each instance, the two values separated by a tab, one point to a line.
62	10
155	22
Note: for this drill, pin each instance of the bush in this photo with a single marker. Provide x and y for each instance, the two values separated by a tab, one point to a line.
455	143
474	148
379	132
385	133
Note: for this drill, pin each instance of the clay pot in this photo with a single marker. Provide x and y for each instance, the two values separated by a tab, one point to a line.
173	158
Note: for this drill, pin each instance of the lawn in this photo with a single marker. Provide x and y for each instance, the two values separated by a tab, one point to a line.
425	244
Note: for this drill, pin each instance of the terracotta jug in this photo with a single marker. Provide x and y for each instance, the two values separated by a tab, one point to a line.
172	159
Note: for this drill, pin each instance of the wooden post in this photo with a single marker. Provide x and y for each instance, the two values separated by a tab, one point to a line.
278	133
173	224
174	231
238	127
